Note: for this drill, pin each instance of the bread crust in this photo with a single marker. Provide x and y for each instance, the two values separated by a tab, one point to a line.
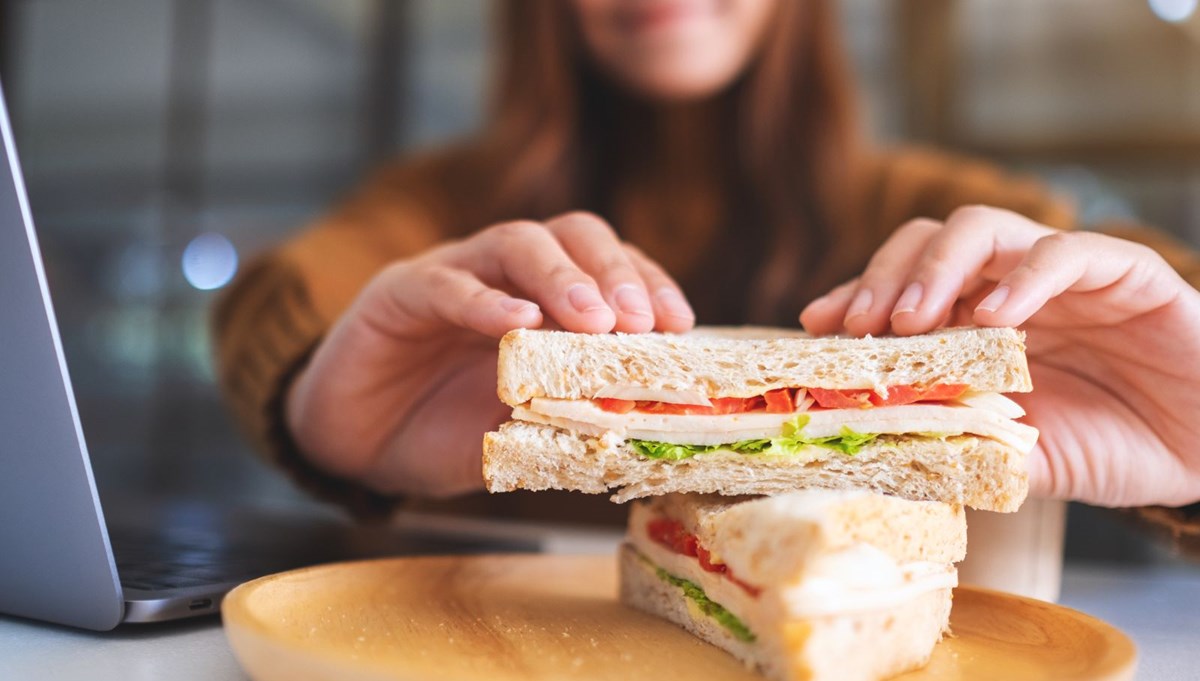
769	540
743	362
962	470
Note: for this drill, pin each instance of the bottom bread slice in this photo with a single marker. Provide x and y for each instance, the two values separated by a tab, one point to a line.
860	646
964	470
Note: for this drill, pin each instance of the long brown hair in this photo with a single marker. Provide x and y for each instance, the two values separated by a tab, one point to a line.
792	161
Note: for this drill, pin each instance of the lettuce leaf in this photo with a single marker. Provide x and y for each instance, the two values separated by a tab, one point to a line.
708	606
665	450
790	442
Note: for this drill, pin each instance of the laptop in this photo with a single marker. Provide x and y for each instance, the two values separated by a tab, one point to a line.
59	560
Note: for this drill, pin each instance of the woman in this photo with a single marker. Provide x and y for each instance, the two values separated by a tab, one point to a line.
647	159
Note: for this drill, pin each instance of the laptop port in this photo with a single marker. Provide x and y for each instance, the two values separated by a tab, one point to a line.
200	604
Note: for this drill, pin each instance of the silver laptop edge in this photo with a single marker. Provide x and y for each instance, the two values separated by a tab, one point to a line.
56	563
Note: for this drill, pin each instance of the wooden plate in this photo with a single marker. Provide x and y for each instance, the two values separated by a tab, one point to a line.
554	617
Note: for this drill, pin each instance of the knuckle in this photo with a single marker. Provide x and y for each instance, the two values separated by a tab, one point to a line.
921	225
913	231
918	227
482	295
395	271
877	280
944	252
883	262
935	265
439	278
584	217
1060	241
1148	255
970	215
616	265
564	273
1024	272
517	230
581	223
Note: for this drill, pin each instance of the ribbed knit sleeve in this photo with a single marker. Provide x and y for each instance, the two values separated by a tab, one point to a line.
266	328
273	316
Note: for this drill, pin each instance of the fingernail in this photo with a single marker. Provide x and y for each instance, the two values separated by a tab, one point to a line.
585	298
909	299
516	305
632	300
994	300
674	304
861	303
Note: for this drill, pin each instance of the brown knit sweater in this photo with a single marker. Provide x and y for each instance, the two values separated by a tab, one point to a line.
283	302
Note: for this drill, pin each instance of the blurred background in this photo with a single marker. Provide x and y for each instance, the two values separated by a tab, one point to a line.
165	141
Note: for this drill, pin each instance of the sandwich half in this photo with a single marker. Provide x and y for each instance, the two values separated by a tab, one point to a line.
764	411
817	585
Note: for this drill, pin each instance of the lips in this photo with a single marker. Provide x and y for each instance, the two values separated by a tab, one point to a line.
646	17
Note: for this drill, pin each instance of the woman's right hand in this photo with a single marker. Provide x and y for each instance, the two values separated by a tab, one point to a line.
400	392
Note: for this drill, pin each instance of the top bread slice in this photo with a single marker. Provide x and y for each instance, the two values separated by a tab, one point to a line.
769	540
749	361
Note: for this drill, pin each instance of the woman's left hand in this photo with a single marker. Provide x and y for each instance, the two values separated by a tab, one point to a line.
1113	335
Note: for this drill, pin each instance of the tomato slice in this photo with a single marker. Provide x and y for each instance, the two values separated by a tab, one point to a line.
720	405
779	401
668	408
616	406
735	405
669	533
783	400
907	394
896	396
841	399
941	392
705	558
691	545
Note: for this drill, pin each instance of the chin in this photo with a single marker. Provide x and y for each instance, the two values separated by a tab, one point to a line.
694	80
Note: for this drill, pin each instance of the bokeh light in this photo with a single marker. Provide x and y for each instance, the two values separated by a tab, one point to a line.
1173	11
209	261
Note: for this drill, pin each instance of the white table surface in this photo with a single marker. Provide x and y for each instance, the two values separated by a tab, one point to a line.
1159	607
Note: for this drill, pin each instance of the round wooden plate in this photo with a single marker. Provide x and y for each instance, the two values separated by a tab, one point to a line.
555	617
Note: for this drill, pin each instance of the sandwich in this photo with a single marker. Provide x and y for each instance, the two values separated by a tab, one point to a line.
817	585
753	411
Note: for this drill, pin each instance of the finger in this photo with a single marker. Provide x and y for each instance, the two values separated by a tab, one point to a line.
824	315
593	245
881	282
976	241
1041	475
1134	278
459	298
528	258
672	313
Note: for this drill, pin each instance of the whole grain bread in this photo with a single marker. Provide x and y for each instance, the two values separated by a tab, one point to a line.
962	470
748	361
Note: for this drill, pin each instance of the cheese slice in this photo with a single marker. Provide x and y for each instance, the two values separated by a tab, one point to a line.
992	420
